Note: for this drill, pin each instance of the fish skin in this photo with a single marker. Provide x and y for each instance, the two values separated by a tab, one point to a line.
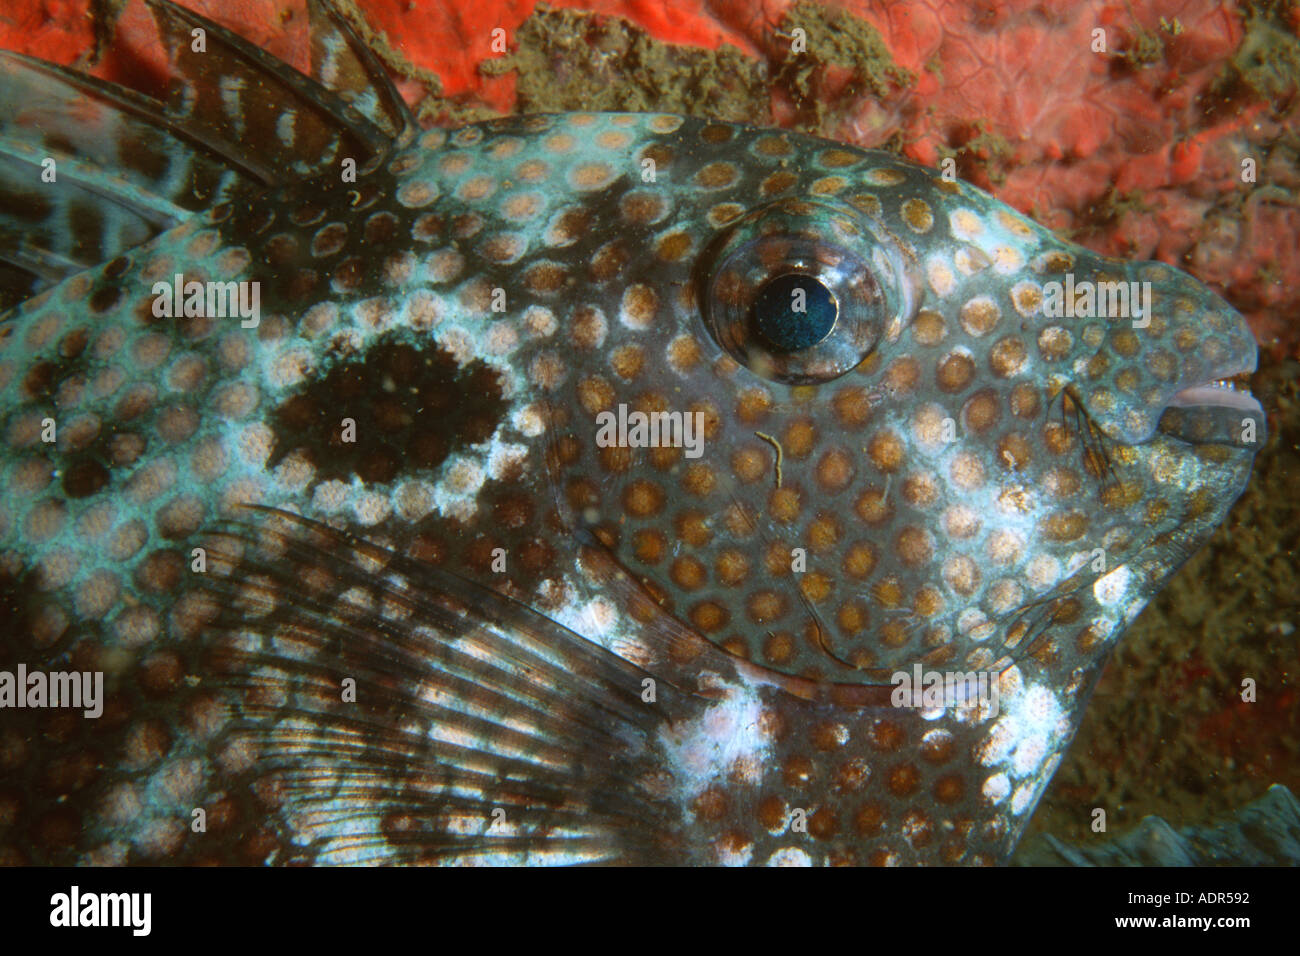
773	697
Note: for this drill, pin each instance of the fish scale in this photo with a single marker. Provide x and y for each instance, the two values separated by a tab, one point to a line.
564	650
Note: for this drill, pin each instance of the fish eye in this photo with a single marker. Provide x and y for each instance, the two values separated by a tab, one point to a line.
793	311
801	292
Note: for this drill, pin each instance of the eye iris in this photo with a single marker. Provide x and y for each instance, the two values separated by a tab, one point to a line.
793	312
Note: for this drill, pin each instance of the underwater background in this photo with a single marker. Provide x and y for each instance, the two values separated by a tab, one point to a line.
1137	152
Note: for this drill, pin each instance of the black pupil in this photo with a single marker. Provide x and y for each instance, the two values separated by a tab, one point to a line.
794	312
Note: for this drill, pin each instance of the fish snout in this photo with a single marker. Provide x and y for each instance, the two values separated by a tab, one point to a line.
1170	355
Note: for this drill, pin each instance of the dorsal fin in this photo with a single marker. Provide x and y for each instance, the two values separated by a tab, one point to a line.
342	62
127	166
121	172
479	730
221	83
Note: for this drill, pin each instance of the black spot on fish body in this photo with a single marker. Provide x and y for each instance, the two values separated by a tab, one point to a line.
412	408
84	477
105	297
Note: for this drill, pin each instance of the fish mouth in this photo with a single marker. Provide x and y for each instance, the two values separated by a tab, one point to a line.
1232	391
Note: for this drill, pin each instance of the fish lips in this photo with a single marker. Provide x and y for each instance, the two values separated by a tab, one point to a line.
1216	412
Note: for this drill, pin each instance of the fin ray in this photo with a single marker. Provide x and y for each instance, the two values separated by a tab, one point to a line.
240	93
128	166
342	62
473	713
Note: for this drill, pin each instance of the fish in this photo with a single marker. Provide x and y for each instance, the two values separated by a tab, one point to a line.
584	488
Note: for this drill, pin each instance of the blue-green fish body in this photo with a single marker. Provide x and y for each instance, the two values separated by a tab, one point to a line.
575	488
